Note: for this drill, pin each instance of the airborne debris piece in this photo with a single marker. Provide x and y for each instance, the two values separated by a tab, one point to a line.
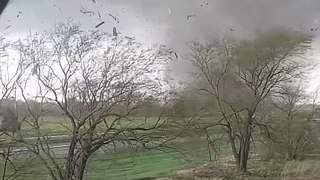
114	31
314	29
231	29
98	25
176	55
87	12
84	11
190	16
114	18
205	4
19	14
130	38
7	27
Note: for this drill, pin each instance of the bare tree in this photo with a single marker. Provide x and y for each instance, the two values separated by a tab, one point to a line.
241	75
10	73
5	155
293	128
98	81
10	169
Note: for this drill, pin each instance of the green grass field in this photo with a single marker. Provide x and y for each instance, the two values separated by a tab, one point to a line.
59	128
54	125
148	164
130	164
133	165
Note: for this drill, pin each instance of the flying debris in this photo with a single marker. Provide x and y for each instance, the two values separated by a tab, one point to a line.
314	29
130	38
98	25
176	55
94	1
205	4
114	31
84	11
173	55
231	29
190	16
7	27
99	15
19	14
114	18
169	11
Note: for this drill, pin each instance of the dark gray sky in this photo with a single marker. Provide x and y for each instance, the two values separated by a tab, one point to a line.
37	15
165	21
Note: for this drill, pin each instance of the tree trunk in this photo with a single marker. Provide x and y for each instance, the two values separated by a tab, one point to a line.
241	153
244	148
244	154
234	150
77	166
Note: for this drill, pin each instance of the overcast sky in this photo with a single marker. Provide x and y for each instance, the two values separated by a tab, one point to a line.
165	21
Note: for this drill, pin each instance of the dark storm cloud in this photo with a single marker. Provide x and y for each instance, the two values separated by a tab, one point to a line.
217	18
240	18
263	15
173	22
167	18
36	15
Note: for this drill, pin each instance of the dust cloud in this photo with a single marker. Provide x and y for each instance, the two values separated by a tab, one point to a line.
185	21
